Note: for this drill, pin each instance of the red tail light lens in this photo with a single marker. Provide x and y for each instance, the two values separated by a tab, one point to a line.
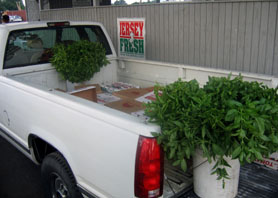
149	169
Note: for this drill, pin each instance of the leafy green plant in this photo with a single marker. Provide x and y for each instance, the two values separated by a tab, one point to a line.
79	61
227	117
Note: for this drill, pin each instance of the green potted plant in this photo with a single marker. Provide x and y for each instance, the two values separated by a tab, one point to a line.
227	119
79	61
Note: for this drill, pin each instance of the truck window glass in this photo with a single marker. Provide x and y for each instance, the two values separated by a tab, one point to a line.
70	34
33	46
92	35
48	37
100	38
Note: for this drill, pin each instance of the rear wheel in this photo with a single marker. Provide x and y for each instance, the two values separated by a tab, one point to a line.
58	179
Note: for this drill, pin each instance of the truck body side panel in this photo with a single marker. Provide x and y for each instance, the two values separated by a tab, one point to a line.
100	154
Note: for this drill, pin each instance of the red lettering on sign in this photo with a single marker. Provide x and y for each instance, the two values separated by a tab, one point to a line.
136	32
131	27
134	26
265	162
127	28
122	28
141	25
268	163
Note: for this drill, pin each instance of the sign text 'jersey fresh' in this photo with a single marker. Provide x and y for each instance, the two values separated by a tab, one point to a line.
131	35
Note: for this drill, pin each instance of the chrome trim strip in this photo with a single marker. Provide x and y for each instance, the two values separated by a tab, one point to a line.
86	192
15	141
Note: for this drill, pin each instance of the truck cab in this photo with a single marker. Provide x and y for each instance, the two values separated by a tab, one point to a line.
84	148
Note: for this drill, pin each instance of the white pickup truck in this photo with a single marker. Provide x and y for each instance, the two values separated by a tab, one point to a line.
84	148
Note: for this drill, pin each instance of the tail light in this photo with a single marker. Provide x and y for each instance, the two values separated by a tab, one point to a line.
58	24
149	168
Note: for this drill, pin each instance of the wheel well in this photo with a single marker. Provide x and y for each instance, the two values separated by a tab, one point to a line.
40	148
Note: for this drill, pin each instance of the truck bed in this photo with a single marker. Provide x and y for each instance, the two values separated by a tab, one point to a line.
255	181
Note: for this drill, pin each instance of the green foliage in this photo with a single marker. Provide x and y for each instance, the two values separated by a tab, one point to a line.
227	117
10	5
79	61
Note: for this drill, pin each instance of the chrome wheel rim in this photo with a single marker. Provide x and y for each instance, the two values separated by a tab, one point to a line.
58	187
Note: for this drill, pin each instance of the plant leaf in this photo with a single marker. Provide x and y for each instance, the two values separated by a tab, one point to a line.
172	153
231	114
258	155
248	158
178	123
236	152
275	139
264	138
197	100
242	133
260	123
155	134
159	139
215	165
203	131
176	163
225	163
241	156
217	150
234	103
183	165
187	152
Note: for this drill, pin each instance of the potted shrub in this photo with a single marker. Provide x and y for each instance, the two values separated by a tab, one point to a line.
79	61
227	118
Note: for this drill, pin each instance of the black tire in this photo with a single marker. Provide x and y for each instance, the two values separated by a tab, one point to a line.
57	178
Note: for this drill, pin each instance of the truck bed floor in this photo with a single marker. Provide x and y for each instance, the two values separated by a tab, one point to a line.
255	181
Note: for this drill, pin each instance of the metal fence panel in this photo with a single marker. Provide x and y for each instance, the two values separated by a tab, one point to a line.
239	35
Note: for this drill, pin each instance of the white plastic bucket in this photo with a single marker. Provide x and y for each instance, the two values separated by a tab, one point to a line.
70	85
206	185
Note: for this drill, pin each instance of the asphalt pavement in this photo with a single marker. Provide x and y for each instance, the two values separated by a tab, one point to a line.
19	176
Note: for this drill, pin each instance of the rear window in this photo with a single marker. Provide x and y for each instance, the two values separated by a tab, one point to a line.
33	46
